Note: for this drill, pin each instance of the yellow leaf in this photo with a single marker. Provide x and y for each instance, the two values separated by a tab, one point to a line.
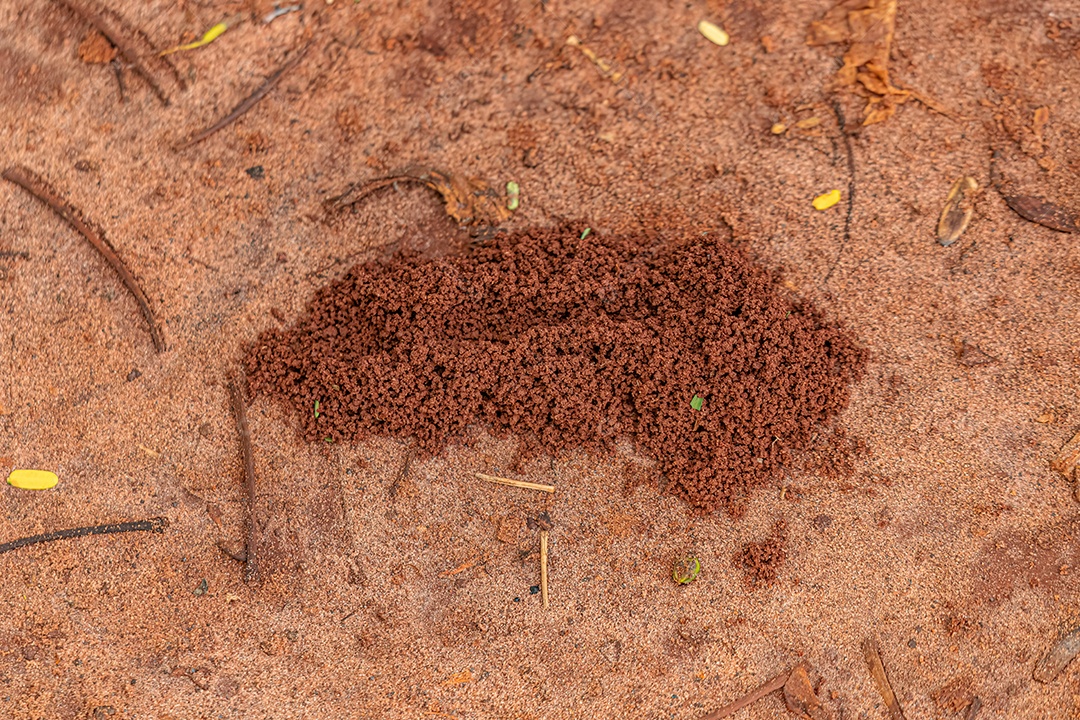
208	37
713	33
827	200
32	479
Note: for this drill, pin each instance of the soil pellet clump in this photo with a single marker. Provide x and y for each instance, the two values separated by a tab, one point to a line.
684	348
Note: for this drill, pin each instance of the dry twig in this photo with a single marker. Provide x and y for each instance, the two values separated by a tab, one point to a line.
872	654
251	565
516	483
751	697
153	525
544	567
249	102
36	186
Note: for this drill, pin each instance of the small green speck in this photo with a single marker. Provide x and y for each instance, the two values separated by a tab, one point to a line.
316	408
586	233
697	402
328	440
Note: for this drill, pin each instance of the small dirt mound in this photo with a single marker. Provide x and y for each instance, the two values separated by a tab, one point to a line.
685	349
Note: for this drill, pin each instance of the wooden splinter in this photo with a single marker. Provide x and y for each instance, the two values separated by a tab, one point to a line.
543	567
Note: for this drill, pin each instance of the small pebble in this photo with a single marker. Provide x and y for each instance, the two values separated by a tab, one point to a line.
534	589
517	599
133	374
255	172
201	589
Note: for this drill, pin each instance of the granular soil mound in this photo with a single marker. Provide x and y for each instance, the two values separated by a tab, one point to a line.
570	342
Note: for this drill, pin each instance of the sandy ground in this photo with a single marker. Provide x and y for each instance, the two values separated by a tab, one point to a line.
950	541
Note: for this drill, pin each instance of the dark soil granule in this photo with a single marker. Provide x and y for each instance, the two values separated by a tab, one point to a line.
762	560
570	343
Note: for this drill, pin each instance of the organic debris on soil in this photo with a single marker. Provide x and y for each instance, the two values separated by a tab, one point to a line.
762	560
868	26
571	343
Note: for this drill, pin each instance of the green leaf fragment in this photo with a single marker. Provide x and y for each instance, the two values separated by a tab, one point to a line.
697	402
316	408
586	233
513	196
686	570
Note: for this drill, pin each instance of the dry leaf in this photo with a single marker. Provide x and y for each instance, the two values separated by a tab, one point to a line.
1042	212
800	698
95	49
959	207
869	26
1067	460
458	678
469	201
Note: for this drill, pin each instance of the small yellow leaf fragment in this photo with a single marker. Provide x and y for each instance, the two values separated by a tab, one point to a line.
458	678
1045	418
713	33
208	37
778	129
807	123
32	479
827	200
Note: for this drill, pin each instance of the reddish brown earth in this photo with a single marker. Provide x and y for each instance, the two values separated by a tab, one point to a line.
401	589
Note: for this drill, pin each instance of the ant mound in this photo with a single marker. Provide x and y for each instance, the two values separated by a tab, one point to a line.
684	349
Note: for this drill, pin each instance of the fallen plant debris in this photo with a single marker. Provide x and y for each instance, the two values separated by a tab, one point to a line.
971	355
713	33
469	201
605	68
973	708
544	567
872	655
249	102
156	525
570	344
516	483
32	479
36	186
1063	652
959	207
1067	461
868	25
799	696
251	565
685	570
1041	211
84	9
208	37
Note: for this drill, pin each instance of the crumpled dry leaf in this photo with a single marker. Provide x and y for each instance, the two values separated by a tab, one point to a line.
869	26
469	201
800	698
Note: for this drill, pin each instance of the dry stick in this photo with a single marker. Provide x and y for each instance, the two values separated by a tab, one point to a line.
841	120
251	566
516	483
249	102
126	48
153	525
753	696
367	188
872	654
33	184
973	708
543	567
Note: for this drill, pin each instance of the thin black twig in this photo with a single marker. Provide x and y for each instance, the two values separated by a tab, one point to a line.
251	565
247	103
153	525
127	50
36	186
841	122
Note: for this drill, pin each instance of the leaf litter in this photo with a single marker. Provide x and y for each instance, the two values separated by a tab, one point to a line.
868	26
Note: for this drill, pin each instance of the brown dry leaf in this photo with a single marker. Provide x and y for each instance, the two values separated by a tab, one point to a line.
869	26
1042	212
95	49
1067	460
959	207
469	201
800	698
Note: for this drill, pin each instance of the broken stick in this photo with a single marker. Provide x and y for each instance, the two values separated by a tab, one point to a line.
36	186
1060	655
156	525
872	654
127	50
543	567
516	483
751	697
251	566
247	103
